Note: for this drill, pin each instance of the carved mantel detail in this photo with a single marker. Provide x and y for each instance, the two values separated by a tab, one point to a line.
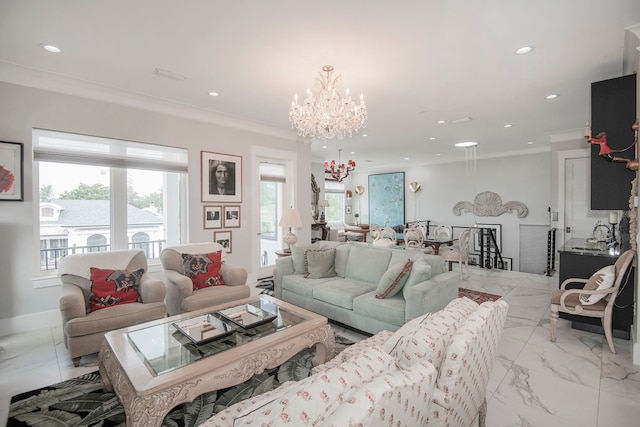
489	203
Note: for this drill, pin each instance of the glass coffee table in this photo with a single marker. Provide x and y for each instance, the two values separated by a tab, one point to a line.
157	365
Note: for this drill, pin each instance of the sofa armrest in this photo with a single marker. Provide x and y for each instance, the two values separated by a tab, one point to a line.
72	303
432	295
152	290
233	276
183	284
284	267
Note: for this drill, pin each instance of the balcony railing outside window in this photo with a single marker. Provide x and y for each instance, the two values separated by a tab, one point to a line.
50	258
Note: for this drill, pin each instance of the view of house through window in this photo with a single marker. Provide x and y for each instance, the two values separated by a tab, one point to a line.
77	200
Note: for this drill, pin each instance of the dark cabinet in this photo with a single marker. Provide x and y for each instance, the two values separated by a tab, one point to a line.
613	110
576	262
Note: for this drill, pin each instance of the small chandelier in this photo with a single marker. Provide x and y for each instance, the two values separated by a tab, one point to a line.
327	114
336	171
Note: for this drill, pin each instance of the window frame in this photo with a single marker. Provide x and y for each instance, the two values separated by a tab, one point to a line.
174	213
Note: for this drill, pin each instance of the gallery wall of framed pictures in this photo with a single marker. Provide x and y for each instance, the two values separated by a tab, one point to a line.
221	185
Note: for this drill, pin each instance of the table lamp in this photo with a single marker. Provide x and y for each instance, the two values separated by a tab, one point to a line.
290	218
323	204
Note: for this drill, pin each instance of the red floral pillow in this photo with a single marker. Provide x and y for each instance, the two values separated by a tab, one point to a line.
203	270
114	287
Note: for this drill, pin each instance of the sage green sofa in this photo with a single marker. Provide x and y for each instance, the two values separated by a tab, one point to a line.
350	296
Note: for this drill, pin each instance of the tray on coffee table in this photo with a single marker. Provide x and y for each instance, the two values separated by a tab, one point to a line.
204	328
247	316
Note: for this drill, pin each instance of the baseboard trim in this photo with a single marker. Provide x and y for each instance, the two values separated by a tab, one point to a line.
29	322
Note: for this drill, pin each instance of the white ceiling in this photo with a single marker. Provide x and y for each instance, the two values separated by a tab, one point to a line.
415	61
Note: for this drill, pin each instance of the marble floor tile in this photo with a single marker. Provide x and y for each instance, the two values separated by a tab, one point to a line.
573	402
617	411
503	414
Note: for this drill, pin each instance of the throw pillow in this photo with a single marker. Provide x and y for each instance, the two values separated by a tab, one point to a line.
392	281
298	258
320	264
420	271
203	269
113	287
601	279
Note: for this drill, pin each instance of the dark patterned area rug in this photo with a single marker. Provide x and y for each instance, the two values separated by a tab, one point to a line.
477	296
82	401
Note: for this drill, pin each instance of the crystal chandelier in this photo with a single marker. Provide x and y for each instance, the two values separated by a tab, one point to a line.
336	171
326	114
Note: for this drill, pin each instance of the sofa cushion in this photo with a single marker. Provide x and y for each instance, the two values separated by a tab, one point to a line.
341	292
393	279
420	271
203	269
601	279
393	394
342	259
313	398
392	341
367	264
319	264
114	287
389	310
428	341
302	286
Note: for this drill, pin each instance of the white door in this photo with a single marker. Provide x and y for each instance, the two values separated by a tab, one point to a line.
272	192
579	219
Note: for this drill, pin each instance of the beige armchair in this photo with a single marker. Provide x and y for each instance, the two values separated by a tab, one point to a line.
572	301
84	329
181	297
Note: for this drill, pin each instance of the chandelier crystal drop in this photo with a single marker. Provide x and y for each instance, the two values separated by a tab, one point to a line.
326	114
336	170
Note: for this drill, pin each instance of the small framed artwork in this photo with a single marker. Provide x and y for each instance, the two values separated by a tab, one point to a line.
474	259
231	216
347	209
11	174
212	217
221	177
224	239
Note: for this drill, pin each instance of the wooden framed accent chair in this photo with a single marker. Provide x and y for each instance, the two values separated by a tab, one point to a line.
459	252
196	276
104	291
596	296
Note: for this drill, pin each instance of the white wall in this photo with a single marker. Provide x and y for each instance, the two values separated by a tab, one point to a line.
23	108
524	178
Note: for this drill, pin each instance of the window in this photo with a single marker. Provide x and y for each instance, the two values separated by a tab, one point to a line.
334	193
99	194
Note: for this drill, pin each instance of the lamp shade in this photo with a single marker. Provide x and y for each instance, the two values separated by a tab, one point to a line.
324	203
290	218
359	190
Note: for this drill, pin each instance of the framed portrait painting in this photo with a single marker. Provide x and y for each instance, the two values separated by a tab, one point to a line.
212	217
231	216
221	177
224	239
11	174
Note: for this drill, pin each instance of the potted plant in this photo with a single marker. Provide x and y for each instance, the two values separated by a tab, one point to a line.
356	216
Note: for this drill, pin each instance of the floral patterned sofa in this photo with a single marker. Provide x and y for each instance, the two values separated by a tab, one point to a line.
433	371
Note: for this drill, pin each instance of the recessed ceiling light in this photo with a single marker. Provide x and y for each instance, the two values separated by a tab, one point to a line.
406	158
364	134
214	94
433	138
508	125
324	146
529	142
552	96
50	48
522	50
466	144
353	152
441	122
421	112
437	154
